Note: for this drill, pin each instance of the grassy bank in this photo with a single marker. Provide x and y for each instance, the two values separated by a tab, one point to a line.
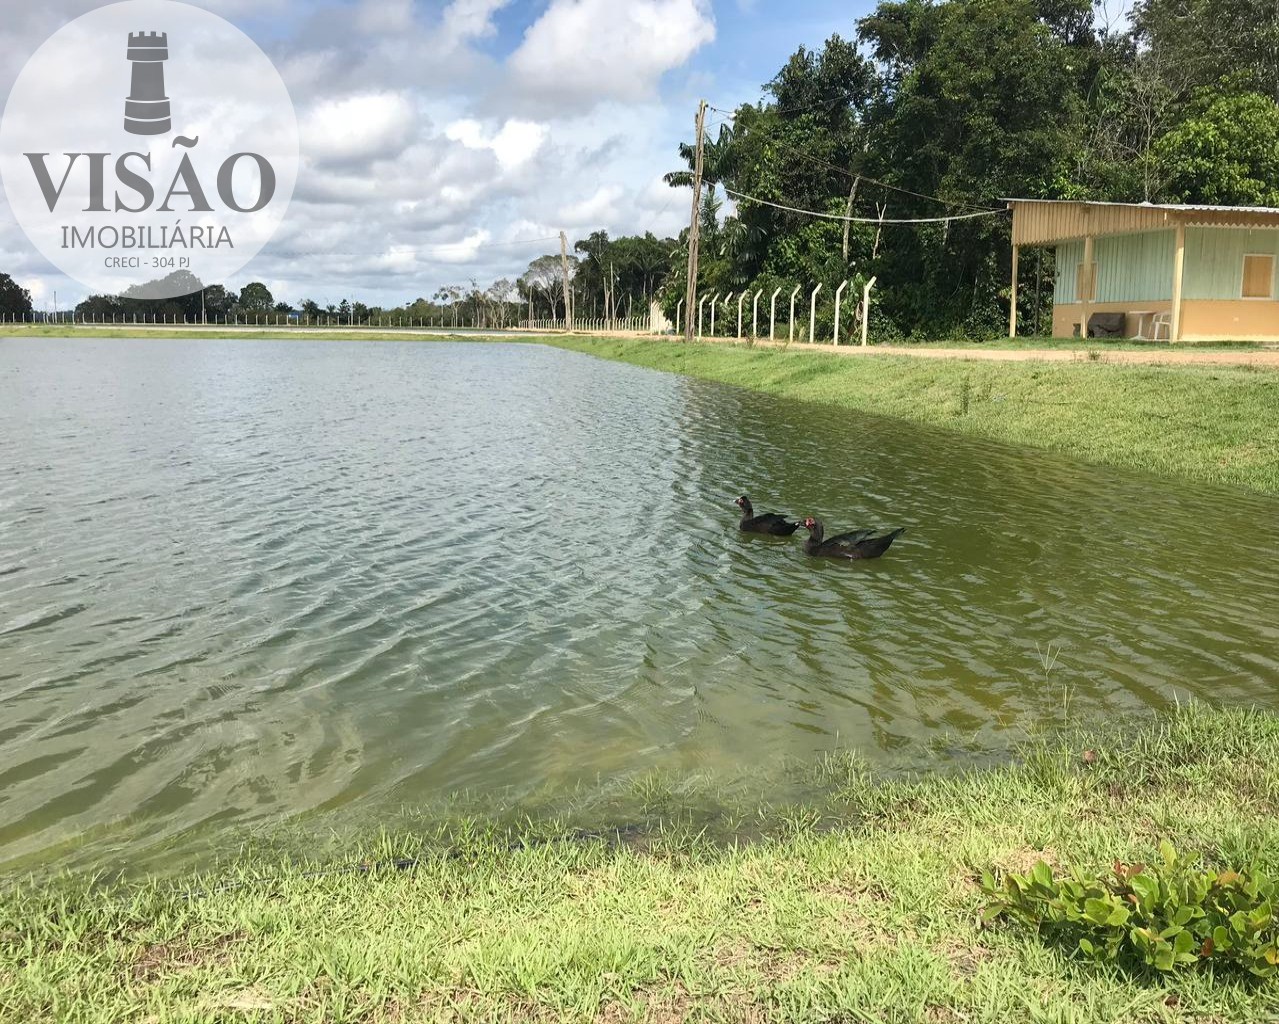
871	916
1197	422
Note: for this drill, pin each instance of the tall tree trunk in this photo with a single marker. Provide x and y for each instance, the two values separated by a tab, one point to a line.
848	224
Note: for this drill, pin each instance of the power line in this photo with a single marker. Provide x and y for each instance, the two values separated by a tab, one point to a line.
823	105
866	220
851	174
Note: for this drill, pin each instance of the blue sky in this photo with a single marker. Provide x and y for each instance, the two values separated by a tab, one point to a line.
441	134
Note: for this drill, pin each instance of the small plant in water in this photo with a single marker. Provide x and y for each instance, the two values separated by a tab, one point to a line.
1048	657
1170	915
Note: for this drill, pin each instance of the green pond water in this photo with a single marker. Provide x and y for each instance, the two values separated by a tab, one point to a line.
250	583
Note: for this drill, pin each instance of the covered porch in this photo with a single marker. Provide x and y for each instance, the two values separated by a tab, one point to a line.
1154	272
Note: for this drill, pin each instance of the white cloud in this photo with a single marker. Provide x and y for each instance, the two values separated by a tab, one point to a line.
600	209
377	17
514	145
465	20
359	128
581	52
464	251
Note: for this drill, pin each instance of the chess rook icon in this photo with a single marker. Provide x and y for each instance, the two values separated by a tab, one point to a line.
146	111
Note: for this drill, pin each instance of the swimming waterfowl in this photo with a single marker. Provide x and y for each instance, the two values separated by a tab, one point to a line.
860	544
770	523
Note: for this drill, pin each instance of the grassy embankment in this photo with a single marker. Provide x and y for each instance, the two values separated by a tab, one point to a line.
873	920
1206	423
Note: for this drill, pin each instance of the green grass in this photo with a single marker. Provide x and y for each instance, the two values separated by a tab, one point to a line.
871	915
1093	345
1205	423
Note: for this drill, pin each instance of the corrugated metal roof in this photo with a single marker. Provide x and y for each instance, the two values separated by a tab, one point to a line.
1199	207
1046	221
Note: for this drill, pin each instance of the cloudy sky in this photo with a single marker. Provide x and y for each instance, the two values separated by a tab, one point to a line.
439	135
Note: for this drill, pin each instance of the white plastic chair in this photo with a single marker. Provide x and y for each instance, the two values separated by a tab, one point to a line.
1161	325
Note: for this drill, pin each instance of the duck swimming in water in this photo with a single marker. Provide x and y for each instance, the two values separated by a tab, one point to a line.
859	544
770	523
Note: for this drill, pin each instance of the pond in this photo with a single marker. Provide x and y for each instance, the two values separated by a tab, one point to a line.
243	582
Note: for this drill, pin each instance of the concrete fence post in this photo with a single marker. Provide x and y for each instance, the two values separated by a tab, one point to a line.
772	314
755	314
700	304
812	316
793	296
739	315
678	310
839	298
714	304
866	310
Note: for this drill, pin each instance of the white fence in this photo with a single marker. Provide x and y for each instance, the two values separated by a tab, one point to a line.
741	314
745	318
635	324
264	320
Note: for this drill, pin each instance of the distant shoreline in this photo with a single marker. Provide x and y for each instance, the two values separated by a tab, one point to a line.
1208	414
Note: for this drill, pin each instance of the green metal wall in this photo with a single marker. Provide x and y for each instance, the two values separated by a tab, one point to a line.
1130	268
1138	268
1214	259
1069	256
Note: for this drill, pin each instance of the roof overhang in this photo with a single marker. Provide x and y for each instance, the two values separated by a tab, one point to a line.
1049	221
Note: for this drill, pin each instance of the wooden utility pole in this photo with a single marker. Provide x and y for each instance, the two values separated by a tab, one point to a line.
1012	293
568	290
694	227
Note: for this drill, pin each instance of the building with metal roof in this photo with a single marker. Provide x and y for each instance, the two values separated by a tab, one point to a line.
1165	272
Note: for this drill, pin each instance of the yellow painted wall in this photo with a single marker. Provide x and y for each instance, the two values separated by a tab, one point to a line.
1066	315
1201	319
1229	320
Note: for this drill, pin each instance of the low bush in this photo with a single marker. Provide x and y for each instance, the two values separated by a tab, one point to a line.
1170	915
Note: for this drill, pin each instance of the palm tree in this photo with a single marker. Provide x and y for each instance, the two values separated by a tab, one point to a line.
717	157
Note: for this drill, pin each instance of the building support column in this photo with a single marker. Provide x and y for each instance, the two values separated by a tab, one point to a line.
1087	287
1178	275
1012	296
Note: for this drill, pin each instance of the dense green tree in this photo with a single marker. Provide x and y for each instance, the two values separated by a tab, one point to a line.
14	299
101	307
936	110
255	297
218	302
1227	152
1209	39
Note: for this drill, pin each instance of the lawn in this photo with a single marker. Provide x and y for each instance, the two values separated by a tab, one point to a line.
869	911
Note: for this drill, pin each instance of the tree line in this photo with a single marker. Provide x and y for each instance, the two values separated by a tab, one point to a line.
943	109
609	279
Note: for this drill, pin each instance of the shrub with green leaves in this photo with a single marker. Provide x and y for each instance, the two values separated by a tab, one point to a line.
1170	915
